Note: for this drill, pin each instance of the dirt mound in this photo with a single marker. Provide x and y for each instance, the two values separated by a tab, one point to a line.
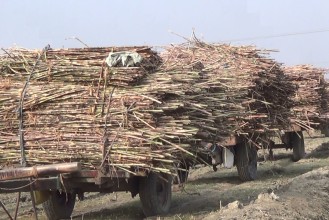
304	197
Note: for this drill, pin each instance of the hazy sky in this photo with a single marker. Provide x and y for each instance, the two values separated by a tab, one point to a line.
33	24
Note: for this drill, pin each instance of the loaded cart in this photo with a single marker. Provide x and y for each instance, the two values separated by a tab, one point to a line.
308	106
83	120
130	116
57	186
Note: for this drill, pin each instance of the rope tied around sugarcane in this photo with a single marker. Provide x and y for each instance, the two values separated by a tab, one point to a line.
21	105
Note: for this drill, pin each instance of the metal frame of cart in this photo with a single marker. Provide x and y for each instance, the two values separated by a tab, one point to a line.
245	153
56	187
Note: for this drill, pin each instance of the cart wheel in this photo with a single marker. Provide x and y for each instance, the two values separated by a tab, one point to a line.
297	144
155	193
246	161
60	205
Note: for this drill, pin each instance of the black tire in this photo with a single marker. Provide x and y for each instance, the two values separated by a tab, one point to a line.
297	144
246	161
155	194
60	205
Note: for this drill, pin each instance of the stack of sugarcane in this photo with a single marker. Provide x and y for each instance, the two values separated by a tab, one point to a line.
79	108
310	100
76	108
324	114
223	90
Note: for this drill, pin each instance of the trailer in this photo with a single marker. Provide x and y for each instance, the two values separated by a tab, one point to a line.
241	151
56	187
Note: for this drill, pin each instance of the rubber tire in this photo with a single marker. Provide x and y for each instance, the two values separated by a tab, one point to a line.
155	194
246	161
56	207
297	144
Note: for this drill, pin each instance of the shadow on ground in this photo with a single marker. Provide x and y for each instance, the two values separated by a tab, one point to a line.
320	152
129	210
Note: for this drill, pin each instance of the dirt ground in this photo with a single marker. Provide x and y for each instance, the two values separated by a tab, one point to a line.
284	190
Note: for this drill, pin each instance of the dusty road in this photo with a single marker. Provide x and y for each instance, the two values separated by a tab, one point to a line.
284	190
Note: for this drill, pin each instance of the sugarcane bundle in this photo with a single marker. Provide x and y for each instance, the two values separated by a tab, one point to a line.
60	126
78	115
309	102
224	90
78	65
325	101
79	108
